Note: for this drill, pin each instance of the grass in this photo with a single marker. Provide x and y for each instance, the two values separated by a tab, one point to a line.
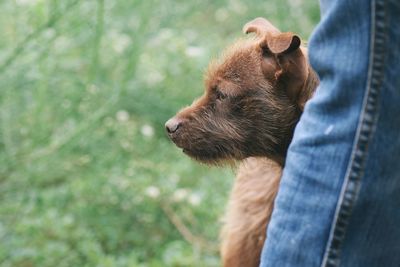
87	175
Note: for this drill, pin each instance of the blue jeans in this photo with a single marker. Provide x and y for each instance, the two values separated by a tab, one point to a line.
339	198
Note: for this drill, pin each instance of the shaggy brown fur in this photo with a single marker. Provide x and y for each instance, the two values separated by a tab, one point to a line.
254	96
249	210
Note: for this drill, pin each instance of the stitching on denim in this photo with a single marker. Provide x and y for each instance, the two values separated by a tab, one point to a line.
365	130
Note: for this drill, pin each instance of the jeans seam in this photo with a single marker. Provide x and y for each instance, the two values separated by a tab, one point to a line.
365	130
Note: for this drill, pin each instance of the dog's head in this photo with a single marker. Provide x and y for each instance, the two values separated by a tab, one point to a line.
253	98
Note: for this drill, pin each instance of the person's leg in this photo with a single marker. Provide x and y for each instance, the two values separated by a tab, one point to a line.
339	199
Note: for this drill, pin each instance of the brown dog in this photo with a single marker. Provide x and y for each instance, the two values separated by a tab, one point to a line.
253	99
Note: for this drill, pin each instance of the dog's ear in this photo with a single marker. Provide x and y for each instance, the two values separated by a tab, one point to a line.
261	27
271	37
297	78
282	43
286	65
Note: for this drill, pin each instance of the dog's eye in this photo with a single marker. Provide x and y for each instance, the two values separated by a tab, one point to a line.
220	96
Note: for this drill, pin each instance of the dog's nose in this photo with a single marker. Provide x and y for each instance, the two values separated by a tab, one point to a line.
172	125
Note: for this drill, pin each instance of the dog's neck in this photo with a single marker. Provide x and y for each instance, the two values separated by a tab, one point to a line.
310	85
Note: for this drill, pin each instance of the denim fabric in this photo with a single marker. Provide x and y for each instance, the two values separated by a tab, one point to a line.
339	199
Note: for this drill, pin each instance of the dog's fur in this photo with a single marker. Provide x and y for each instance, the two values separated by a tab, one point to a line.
254	96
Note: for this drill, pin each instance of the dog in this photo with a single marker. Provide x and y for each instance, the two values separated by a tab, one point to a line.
254	96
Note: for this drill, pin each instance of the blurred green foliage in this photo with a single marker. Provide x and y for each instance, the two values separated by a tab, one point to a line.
87	175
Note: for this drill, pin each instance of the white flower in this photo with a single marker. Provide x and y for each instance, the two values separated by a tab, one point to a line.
92	89
62	43
195	199
180	194
161	37
154	77
122	116
23	131
27	2
121	182
194	51
49	33
68	219
152	191
120	42
174	178
125	145
130	172
147	130
237	6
